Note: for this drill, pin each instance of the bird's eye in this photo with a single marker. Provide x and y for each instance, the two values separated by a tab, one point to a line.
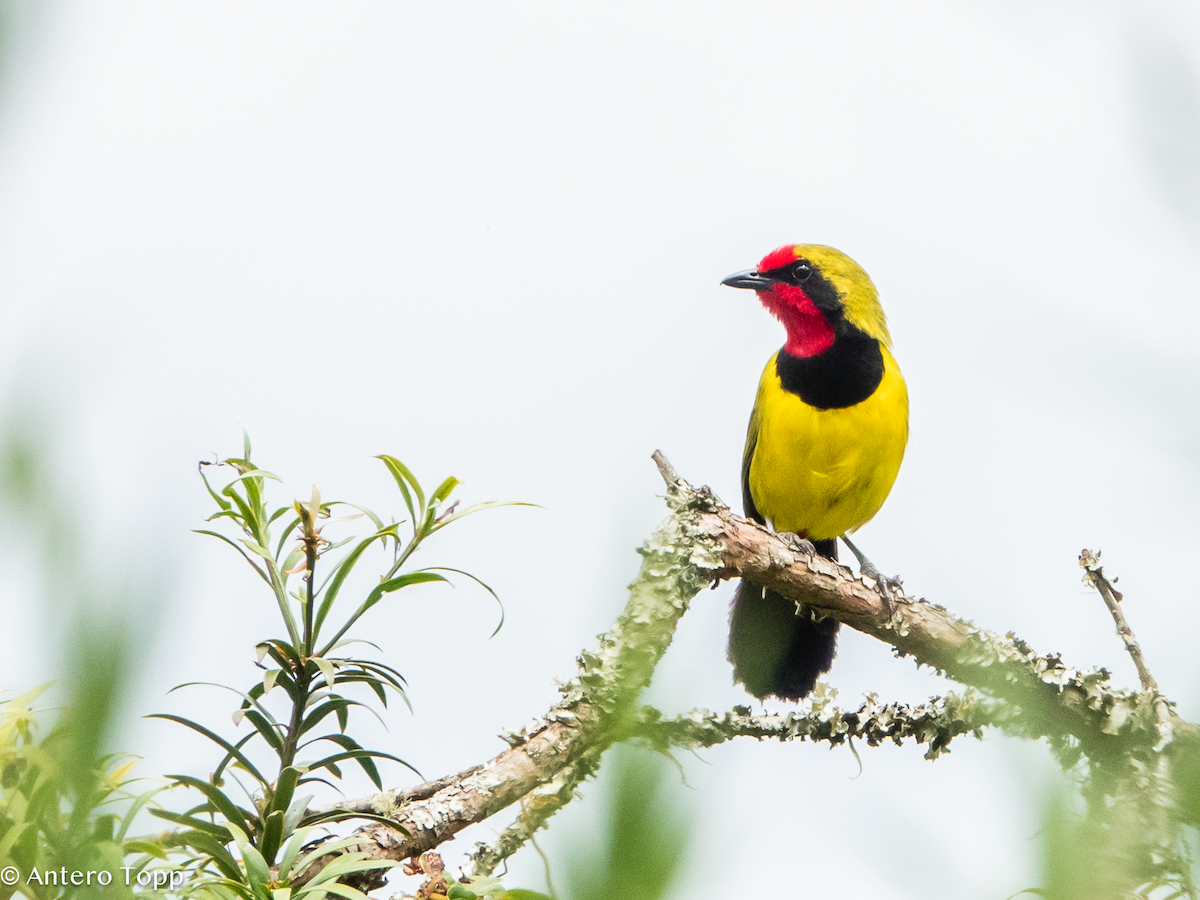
800	271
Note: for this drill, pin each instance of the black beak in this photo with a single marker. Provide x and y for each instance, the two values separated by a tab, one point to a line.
749	279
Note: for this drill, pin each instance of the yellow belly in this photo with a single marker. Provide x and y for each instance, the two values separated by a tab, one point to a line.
823	473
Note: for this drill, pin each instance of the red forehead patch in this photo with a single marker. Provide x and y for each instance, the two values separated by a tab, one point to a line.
777	258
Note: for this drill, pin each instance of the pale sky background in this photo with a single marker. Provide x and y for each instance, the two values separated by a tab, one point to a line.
488	239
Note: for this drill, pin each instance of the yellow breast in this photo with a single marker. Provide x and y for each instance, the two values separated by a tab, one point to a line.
822	473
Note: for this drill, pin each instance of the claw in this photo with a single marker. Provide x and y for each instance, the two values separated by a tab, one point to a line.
797	543
883	583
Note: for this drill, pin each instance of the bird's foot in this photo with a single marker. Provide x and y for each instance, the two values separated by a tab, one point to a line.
797	543
890	588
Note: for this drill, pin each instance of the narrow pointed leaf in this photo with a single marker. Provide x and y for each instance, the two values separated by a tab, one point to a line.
444	490
215	850
495	596
230	749
233	544
231	811
257	869
343	569
478	507
403	478
272	836
327	670
295	842
218	832
285	787
295	812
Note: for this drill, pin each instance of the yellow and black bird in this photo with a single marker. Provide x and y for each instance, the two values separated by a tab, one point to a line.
825	442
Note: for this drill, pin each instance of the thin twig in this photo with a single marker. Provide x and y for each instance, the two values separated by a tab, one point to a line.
1094	574
546	863
665	469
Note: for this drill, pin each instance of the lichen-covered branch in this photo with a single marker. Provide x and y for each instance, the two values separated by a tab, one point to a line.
1071	707
935	723
1126	736
541	803
597	707
1094	574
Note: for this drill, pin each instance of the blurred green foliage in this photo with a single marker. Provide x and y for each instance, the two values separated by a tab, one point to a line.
66	803
645	834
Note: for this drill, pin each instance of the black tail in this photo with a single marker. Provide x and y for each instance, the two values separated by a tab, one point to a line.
776	648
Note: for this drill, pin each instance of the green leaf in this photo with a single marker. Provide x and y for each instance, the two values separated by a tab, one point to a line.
386	672
401	581
272	836
282	652
230	749
257	548
297	840
134	808
342	570
216	776
314	506
314	718
283	537
386	587
295	812
479	507
288	566
215	850
342	815
257	869
218	832
148	847
444	490
495	596
404	478
233	544
246	511
327	670
365	759
220	501
375	520
320	850
249	699
344	890
236	816
270	730
13	835
285	787
252	478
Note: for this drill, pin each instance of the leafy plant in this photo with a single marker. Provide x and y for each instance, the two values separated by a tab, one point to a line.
282	545
55	818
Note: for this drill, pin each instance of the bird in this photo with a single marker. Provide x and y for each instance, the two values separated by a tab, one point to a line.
826	438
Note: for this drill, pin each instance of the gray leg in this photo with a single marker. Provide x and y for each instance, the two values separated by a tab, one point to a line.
866	567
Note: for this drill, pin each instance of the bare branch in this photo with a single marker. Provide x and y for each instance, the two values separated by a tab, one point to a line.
1094	575
667	471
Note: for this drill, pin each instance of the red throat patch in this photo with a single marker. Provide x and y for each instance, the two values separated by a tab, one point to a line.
808	331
